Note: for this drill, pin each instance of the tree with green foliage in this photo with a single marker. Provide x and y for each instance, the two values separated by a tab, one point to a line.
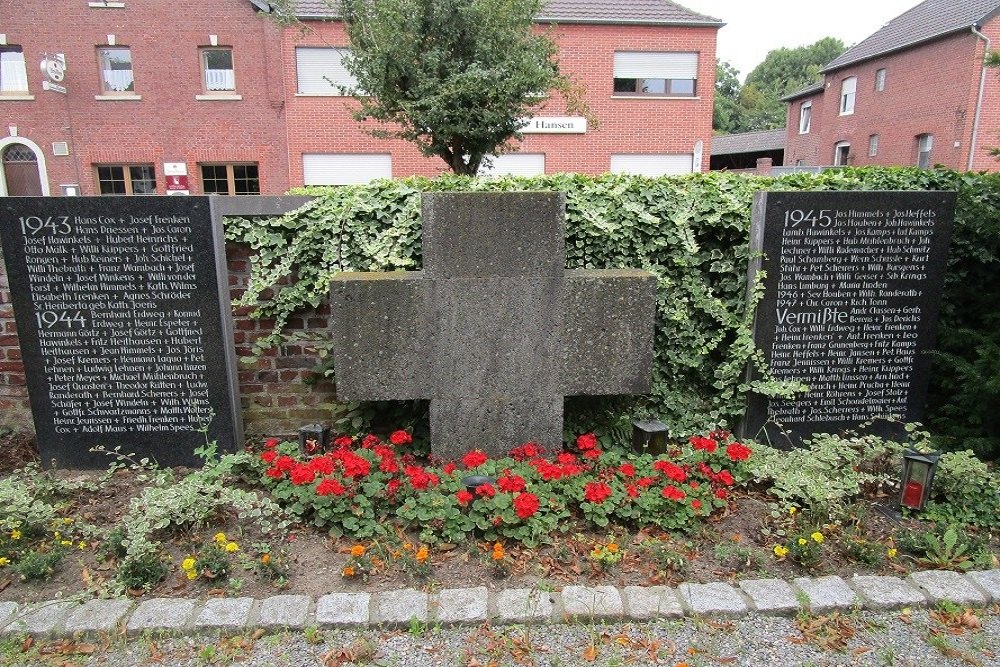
455	77
757	105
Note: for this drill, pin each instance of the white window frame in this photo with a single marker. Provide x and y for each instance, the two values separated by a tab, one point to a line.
805	117
320	72
13	71
848	95
872	145
212	79
838	150
925	147
104	64
880	75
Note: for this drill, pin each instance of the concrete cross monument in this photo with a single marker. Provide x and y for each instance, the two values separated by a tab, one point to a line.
494	330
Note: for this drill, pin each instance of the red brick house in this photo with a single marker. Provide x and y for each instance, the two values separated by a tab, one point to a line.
916	92
648	67
158	96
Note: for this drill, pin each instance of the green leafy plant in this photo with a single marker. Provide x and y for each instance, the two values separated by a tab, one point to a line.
40	564
945	552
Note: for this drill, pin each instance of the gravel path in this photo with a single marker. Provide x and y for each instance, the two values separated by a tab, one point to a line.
899	638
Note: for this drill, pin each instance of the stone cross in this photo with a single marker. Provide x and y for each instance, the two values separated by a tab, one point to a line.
494	330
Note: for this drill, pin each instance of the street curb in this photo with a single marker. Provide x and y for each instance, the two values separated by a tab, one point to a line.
471	606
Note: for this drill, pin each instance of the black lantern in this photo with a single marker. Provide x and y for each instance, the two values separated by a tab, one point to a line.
313	439
918	474
473	482
649	437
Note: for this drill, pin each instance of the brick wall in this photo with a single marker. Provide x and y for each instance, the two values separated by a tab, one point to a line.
168	124
586	53
931	89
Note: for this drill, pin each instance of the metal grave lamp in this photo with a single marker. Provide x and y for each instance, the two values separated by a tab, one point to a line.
649	437
313	439
918	474
473	482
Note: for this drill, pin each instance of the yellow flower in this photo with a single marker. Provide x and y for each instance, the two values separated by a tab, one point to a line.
220	538
67	521
57	535
4	562
358	550
422	553
188	563
817	537
66	543
780	551
82	545
232	547
191	574
891	552
802	541
15	535
793	509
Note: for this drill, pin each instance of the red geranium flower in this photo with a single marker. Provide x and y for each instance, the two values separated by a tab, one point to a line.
721	494
726	478
343	442
322	465
274	473
284	463
596	492
302	474
525	505
671	470
269	456
511	483
330	487
448	468
464	497
632	490
565	457
738	452
696	504
486	490
645	482
705	444
392	487
592	454
673	493
370	441
586	441
627	469
528	450
419	478
474	459
271	443
400	438
354	465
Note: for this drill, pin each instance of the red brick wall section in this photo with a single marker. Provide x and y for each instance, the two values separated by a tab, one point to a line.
168	124
277	392
988	136
929	89
586	53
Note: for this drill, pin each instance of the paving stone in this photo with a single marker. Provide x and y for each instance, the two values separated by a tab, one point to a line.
592	601
988	580
44	618
97	615
462	605
943	585
887	592
522	605
161	614
771	596
284	611
714	598
225	613
7	610
643	602
344	609
827	593
399	607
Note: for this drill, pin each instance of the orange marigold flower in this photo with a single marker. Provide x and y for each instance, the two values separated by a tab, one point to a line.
358	550
265	559
498	552
348	571
612	548
422	553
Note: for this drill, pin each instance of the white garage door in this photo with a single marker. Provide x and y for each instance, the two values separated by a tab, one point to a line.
344	168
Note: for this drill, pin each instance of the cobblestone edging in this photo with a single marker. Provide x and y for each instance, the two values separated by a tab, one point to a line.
452	606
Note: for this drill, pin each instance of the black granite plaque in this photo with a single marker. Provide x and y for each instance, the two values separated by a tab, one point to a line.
852	290
123	314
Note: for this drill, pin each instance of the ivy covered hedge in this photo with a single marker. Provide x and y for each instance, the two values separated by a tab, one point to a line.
692	232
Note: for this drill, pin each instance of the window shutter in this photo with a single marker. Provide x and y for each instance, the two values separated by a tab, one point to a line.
344	168
515	164
646	65
321	71
652	165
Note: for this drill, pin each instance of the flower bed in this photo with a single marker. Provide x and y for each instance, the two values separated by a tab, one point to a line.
361	482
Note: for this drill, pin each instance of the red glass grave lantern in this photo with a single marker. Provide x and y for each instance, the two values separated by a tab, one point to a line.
918	474
313	439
